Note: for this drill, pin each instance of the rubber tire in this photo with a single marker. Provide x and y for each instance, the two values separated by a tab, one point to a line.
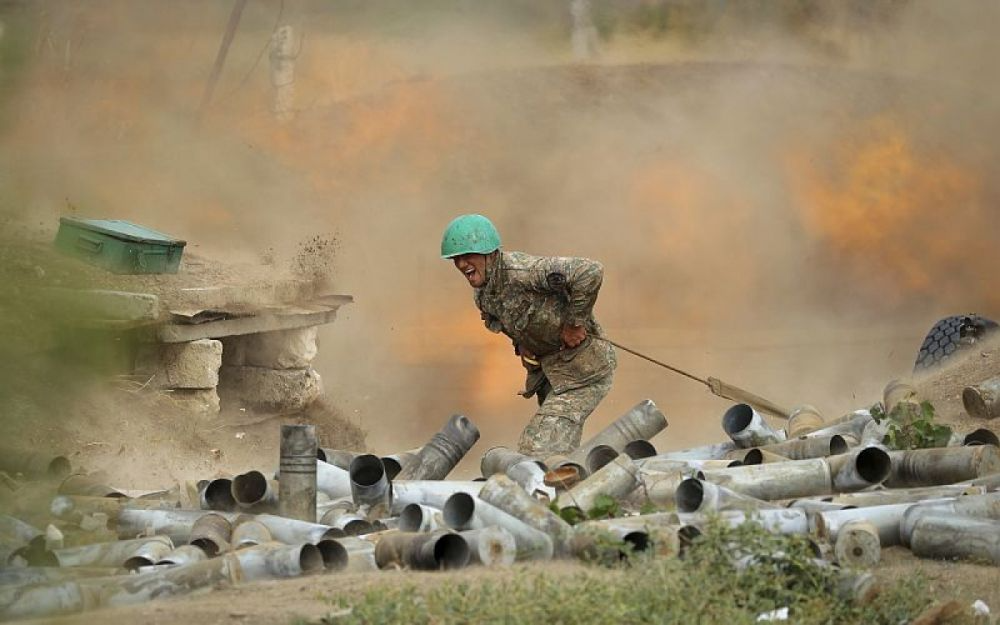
950	335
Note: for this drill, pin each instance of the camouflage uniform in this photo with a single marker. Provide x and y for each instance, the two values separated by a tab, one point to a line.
530	298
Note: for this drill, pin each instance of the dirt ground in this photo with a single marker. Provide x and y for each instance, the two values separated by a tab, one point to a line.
285	601
828	184
52	370
119	424
943	387
307	598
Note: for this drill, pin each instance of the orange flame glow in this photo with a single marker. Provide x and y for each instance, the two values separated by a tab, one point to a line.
881	201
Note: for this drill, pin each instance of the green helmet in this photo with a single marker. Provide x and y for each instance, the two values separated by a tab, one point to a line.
469	234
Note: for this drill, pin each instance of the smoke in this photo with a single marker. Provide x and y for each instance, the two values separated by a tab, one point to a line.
782	199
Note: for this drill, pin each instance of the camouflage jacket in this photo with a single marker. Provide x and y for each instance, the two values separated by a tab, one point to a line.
530	298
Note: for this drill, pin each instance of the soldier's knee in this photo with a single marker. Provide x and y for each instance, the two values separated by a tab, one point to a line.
546	435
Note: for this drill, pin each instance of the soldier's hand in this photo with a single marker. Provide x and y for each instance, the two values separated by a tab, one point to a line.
573	335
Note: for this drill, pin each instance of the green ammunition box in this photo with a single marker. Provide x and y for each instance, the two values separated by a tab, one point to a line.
119	246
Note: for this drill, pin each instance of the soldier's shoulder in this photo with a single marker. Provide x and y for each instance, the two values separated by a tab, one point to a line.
521	262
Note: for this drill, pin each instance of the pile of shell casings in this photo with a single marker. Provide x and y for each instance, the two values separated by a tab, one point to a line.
328	510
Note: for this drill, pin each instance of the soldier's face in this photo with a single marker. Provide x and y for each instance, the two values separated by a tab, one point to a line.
473	267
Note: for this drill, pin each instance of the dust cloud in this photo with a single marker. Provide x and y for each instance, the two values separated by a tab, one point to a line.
783	197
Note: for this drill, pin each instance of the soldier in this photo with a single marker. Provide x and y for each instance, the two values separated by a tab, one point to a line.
545	306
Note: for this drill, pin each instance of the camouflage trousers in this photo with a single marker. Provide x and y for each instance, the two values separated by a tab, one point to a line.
557	427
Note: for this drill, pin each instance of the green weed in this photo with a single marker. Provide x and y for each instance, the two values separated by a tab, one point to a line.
911	426
729	575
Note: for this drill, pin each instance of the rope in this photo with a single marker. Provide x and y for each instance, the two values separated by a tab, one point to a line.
655	361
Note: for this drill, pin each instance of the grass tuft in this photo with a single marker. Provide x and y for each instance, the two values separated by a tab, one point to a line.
729	575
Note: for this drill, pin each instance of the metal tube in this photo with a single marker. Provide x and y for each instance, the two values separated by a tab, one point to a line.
115	553
616	479
293	531
802	420
780	480
333	481
34	553
858	545
747	427
656	533
740	457
779	520
662	529
905	495
349	522
976	506
657	488
643	421
660	464
433	551
885	518
989	482
817	505
598	457
873	433
185	554
639	449
562	472
983	400
333	509
500	459
715	451
666	465
218	495
334	555
299	474
360	554
440	551
956	537
176	524
530	476
339	458
594	543
755	455
266	562
809	447
28	575
87	485
253	489
445	449
276	560
859	469
370	485
980	436
419	518
429	492
394	463
211	533
147	555
490	546
941	466
16	531
852	424
504	493
465	512
47	599
74	507
694	495
34	464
